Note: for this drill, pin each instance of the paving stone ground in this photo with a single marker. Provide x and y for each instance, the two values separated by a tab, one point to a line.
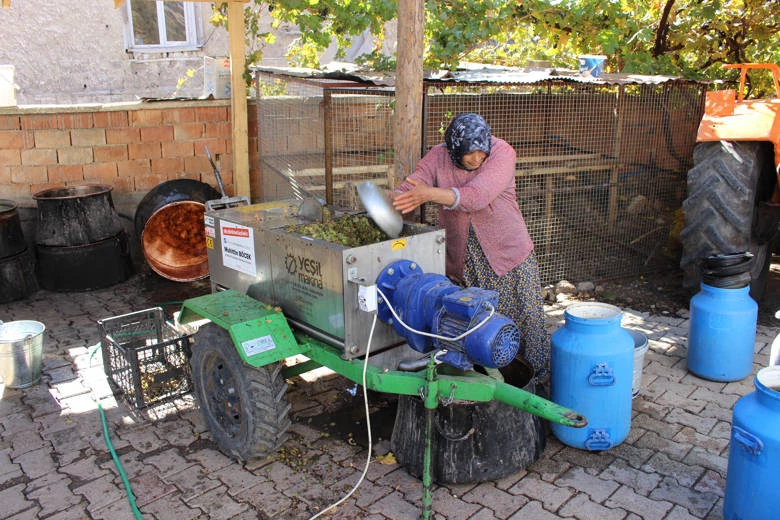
55	463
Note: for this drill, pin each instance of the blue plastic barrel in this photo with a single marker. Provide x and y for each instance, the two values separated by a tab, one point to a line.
592	365
722	333
754	452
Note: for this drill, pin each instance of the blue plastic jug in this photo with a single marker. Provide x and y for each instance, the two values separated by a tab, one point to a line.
592	366
754	452
722	330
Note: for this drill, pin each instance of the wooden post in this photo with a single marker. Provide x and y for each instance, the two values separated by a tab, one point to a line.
238	99
407	128
238	104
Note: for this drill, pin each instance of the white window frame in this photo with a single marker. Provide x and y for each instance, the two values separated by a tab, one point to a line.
192	24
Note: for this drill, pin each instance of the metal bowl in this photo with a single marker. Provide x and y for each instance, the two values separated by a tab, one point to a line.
380	209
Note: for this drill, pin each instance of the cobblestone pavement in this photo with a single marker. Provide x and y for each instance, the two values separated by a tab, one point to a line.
55	462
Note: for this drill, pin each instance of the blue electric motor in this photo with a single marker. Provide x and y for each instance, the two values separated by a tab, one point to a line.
431	304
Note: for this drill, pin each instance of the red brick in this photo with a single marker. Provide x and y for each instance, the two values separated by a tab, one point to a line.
51	138
78	120
147	182
216	146
10	157
29	174
111	119
123	185
82	155
66	174
38	121
179	115
144	150
10	122
156	134
199	165
146	117
122	135
103	172
35	157
5	175
88	136
168	165
11	139
133	167
16	191
223	130
211	114
188	132
175	149
195	177
110	153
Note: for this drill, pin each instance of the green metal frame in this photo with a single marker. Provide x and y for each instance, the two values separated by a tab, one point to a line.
262	336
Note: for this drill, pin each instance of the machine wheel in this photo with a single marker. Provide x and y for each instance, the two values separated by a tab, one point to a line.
724	187
245	408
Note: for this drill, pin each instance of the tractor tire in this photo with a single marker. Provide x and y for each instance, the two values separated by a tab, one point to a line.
724	188
245	408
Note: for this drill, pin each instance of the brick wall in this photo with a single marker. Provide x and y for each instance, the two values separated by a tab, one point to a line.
132	147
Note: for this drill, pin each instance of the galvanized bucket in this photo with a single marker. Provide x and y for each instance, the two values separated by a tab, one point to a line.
21	350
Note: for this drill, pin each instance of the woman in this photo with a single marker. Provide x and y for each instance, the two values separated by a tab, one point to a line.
472	177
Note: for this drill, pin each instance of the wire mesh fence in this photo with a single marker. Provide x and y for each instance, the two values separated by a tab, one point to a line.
321	139
600	170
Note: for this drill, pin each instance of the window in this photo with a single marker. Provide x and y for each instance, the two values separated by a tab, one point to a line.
158	26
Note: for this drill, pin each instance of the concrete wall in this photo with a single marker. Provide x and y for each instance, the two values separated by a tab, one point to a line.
67	52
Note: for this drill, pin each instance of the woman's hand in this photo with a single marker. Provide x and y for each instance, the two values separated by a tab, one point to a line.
408	201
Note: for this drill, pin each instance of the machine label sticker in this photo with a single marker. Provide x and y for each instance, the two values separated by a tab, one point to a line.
210	242
258	345
238	247
399	243
210	231
208	220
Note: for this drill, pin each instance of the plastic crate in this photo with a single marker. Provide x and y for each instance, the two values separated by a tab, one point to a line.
145	357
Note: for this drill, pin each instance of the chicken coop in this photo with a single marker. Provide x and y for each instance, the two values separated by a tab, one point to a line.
601	163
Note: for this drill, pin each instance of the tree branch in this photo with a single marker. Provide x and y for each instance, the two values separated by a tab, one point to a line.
663	30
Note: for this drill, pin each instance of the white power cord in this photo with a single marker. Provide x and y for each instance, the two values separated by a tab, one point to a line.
365	390
429	334
368	429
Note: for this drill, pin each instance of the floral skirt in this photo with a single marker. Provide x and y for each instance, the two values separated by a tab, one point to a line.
519	299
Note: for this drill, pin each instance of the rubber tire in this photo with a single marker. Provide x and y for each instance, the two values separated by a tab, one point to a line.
245	408
723	188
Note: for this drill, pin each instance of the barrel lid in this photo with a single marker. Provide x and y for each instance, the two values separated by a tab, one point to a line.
592	311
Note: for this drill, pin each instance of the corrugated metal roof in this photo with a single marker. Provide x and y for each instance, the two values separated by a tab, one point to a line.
470	74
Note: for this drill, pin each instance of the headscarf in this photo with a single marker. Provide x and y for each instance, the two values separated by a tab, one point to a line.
466	133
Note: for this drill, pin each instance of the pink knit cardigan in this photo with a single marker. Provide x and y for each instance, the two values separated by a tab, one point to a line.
486	200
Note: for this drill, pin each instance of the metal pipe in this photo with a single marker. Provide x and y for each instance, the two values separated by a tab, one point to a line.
536	405
431	402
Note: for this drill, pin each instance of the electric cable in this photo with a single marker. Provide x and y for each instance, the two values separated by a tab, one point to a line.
429	334
368	428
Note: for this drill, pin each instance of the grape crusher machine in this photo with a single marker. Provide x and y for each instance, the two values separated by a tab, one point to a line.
382	315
